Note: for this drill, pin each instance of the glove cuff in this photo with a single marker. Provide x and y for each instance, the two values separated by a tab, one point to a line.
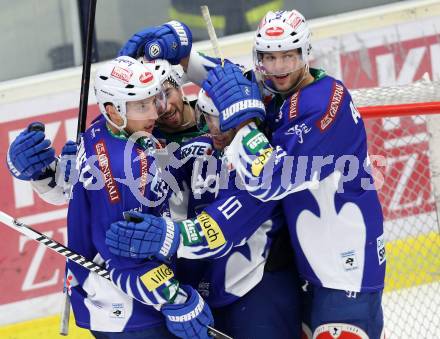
172	239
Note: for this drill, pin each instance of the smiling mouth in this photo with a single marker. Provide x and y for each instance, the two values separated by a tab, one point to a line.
171	115
281	76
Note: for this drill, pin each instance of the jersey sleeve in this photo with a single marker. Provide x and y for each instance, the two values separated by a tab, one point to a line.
225	223
311	141
150	282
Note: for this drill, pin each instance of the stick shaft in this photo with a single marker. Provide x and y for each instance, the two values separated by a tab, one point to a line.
85	80
75	257
211	32
53	245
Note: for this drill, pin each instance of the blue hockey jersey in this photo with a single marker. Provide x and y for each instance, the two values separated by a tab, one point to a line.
247	226
115	175
317	164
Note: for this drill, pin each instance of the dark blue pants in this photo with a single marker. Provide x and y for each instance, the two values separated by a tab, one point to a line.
270	310
333	312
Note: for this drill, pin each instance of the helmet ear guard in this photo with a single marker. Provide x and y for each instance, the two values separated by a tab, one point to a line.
205	106
123	80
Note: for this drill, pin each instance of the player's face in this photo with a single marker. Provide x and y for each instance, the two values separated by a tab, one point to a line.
172	117
282	68
142	114
220	139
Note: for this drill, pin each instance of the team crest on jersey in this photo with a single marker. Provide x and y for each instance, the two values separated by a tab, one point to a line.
118	311
349	260
333	107
299	130
339	331
122	74
104	166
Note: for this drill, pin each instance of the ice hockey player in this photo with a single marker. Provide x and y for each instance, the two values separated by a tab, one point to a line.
331	205
317	164
250	295
129	97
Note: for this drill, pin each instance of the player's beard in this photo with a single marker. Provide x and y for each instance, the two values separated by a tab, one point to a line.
290	85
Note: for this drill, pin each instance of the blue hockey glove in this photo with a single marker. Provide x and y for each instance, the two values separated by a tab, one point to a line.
189	320
237	98
143	236
171	41
29	154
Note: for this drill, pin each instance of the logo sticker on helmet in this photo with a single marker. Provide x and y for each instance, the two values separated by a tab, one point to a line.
154	50
146	77
122	74
274	31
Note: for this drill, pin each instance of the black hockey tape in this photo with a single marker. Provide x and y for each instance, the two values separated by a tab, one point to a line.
131	218
36	126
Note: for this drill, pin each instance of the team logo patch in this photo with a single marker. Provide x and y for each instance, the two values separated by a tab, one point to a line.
154	50
146	77
293	108
274	31
171	290
117	311
189	233
255	141
349	260
333	107
104	166
213	234
295	22
262	158
381	249
339	331
122	74
156	277
299	130
144	170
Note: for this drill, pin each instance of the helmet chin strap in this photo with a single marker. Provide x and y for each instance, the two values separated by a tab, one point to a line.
119	128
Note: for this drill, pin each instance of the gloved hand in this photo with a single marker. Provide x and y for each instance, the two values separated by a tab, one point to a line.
189	320
142	236
237	98
30	153
171	41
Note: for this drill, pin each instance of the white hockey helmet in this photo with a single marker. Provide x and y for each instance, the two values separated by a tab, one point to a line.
206	111
171	73
122	80
281	31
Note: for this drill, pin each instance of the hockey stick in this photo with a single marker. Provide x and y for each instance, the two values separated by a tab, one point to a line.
211	32
81	127
85	80
72	256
